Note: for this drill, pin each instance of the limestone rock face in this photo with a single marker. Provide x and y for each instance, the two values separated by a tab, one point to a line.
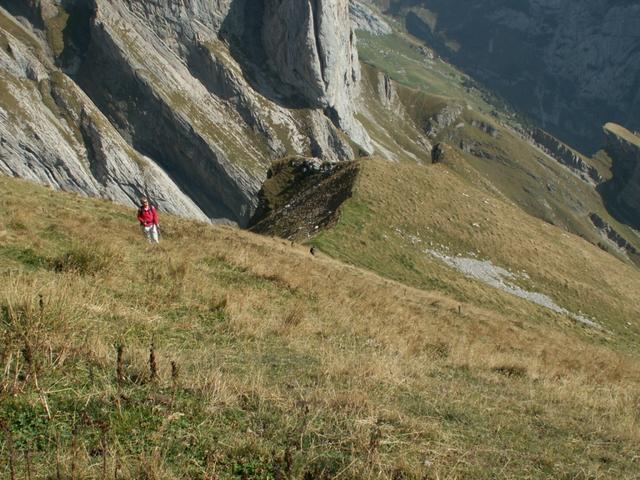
364	18
50	132
623	191
311	46
186	101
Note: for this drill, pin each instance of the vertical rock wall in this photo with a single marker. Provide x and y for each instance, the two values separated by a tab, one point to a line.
311	46
623	191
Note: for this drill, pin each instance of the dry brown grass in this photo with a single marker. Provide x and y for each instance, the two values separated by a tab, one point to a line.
290	364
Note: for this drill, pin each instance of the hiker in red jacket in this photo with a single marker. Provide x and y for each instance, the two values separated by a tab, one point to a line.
148	218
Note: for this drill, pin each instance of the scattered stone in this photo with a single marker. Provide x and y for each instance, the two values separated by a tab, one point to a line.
486	128
500	278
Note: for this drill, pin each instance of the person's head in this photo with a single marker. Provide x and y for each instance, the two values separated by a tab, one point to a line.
144	201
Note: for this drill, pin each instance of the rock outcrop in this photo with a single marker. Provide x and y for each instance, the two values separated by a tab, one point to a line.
612	235
622	192
388	93
566	155
302	196
196	95
445	118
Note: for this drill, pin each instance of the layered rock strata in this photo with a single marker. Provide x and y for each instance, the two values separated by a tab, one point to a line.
50	132
174	86
567	156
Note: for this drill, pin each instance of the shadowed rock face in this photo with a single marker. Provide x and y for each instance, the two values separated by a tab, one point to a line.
570	65
200	89
622	193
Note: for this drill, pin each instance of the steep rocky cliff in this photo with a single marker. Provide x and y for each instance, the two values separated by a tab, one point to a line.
622	193
572	66
120	97
566	155
52	133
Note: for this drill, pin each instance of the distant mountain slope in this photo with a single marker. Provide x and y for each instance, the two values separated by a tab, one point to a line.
548	180
572	66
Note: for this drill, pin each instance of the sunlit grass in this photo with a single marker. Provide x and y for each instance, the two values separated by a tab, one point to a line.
272	363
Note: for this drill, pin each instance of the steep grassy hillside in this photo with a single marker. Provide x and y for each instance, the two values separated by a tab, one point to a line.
491	144
402	217
222	354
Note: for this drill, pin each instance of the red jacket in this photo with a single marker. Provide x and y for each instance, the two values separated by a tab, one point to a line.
147	217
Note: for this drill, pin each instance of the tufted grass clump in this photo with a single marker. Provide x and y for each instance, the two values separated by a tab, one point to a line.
85	260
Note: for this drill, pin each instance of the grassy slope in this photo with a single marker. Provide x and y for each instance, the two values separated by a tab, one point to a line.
535	182
288	364
623	133
439	206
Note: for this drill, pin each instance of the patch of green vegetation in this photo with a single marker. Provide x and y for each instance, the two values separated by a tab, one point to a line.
15	29
85	260
603	162
45	89
233	275
26	256
401	59
54	27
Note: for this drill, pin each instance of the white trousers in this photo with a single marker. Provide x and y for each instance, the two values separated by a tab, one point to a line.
151	232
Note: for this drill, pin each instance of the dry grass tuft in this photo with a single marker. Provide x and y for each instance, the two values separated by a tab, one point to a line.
86	260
